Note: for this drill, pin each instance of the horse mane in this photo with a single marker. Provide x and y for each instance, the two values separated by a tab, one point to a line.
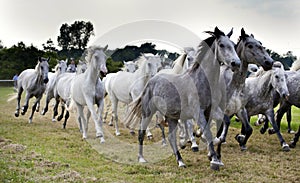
203	47
88	53
295	66
37	67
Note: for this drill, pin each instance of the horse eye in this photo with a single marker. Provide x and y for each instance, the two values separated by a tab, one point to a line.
42	67
250	46
276	76
222	45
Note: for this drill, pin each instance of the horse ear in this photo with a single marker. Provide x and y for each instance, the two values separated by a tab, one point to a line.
243	33
230	33
124	62
105	48
252	35
39	59
48	59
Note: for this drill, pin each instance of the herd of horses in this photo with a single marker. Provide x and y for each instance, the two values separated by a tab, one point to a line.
205	85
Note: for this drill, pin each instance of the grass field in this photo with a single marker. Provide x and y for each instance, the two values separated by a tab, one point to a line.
44	152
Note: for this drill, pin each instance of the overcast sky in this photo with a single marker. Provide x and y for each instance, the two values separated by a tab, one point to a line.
276	23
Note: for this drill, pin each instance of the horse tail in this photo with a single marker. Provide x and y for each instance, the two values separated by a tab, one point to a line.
134	114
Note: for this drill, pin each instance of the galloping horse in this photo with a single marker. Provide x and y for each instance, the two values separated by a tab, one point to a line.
125	86
191	95
60	68
83	89
33	81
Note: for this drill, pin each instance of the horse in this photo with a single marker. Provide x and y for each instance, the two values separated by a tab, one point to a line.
191	95
33	81
261	90
60	68
83	89
292	79
125	86
130	66
62	92
249	50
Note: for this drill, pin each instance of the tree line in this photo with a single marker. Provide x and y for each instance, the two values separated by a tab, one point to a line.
73	40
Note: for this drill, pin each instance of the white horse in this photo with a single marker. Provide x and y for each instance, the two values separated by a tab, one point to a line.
83	89
60	68
125	86
61	91
33	81
130	66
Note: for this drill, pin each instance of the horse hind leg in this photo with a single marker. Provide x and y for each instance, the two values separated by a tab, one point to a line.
66	119
17	112
246	129
296	139
25	106
36	103
289	119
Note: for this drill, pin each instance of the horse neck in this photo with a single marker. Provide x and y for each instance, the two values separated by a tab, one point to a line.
263	84
180	65
91	74
141	72
38	76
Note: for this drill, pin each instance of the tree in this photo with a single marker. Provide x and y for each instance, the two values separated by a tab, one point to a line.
75	36
49	46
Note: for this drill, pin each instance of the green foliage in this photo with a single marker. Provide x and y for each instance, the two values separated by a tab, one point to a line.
75	36
287	59
113	66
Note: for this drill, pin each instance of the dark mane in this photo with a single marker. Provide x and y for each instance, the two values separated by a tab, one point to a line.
203	47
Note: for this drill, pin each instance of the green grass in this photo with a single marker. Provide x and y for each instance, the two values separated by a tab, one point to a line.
44	152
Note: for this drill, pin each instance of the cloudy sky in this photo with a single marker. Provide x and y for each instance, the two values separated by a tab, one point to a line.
276	23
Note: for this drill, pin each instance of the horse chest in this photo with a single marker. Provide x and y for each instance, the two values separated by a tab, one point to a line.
235	103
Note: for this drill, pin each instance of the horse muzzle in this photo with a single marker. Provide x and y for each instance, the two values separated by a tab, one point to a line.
46	80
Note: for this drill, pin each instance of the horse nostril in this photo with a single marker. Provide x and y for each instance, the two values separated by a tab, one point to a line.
233	64
46	80
268	63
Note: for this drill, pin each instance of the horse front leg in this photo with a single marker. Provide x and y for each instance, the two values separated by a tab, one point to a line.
115	117
289	119
204	124
36	103
98	122
222	127
45	109
296	139
17	112
25	106
270	116
55	112
62	105
246	130
80	115
284	106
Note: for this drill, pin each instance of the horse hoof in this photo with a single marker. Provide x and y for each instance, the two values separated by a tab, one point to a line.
198	133
150	137
181	164
17	114
110	124
285	147
240	138
243	148
292	144
53	120
164	144
23	113
291	132
142	160
271	131
132	133
118	133
30	121
195	149
216	141
102	140
59	118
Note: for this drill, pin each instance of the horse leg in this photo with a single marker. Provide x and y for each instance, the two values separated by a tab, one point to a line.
246	129
190	129
204	125
80	114
183	133
55	113
296	139
260	119
45	109
222	133
20	90
270	115
37	101
66	119
284	106
289	119
141	135
173	142
163	136
98	121
62	112
149	134
114	102
25	106
265	126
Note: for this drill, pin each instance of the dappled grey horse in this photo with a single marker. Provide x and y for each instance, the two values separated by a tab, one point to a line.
261	90
33	81
60	68
249	50
191	95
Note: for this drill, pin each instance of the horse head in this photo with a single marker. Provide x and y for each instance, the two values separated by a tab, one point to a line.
130	66
252	51
278	79
223	48
62	66
43	68
153	65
